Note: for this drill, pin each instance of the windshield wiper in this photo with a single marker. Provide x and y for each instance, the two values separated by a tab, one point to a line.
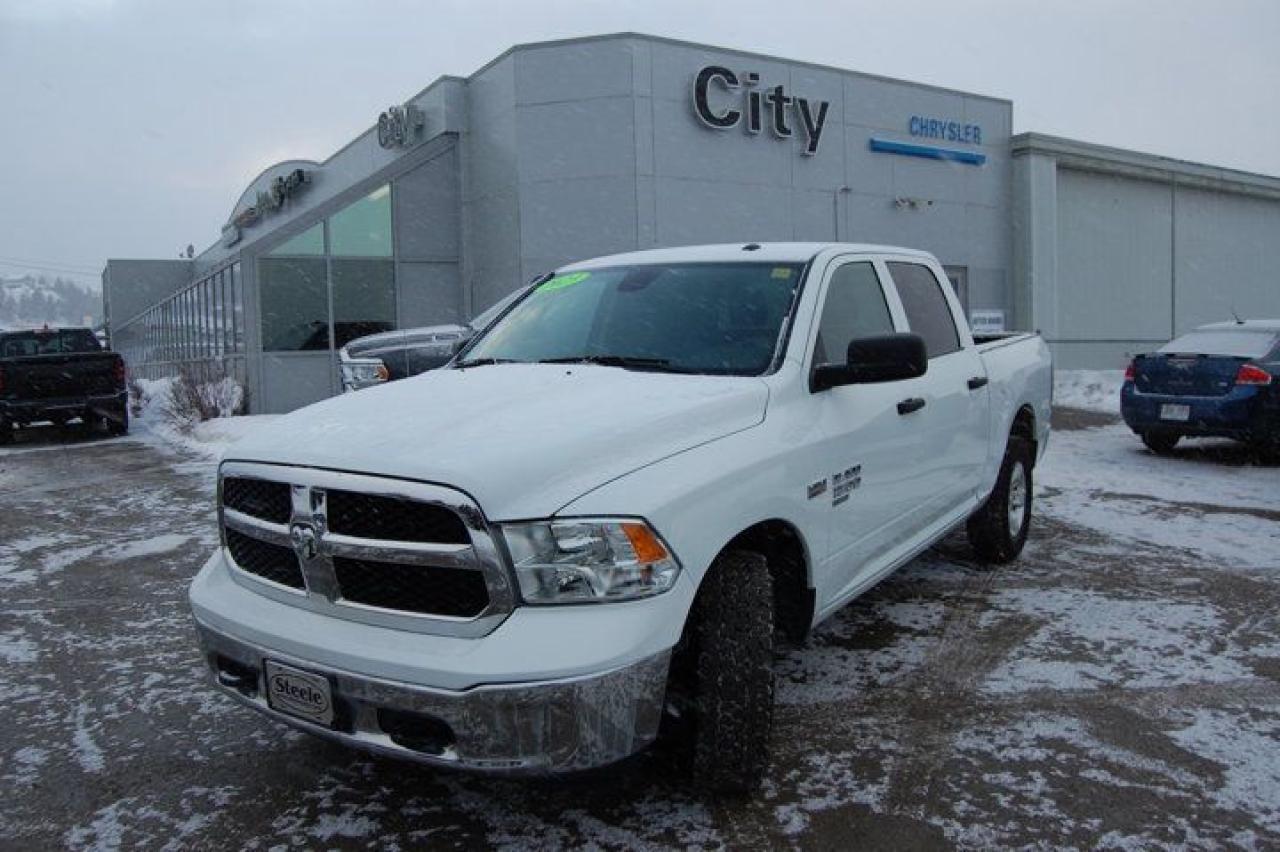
627	362
484	362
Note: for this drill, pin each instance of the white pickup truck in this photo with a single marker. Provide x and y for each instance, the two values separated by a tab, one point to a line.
605	512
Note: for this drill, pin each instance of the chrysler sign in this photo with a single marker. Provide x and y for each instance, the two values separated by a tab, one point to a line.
757	105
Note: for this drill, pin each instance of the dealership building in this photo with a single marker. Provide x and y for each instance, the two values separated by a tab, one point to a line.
565	150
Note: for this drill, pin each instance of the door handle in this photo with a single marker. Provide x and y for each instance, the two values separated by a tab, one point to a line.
978	382
909	405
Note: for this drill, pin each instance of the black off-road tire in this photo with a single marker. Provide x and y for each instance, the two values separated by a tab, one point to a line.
6	432
1266	446
119	426
991	532
728	663
1161	443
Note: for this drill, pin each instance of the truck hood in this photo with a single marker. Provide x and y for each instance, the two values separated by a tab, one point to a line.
522	439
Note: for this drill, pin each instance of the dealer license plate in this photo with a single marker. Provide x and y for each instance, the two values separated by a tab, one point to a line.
298	693
1175	412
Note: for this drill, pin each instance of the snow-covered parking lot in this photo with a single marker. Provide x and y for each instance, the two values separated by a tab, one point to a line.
1118	686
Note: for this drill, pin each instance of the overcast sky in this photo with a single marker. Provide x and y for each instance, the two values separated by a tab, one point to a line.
128	128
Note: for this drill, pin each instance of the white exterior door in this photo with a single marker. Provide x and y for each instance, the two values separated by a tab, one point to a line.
865	469
955	391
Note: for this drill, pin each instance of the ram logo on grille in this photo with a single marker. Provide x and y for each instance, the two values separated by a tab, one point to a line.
305	543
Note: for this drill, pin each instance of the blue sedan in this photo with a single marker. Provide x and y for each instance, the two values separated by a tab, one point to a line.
1221	379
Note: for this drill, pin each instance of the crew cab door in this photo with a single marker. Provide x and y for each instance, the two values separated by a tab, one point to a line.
955	416
864	473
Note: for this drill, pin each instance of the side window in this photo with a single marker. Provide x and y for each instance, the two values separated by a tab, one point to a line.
928	313
855	307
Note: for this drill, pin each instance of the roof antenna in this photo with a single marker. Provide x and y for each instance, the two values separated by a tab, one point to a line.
1236	315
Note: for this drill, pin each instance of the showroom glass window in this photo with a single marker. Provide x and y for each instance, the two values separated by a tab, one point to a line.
362	269
293	279
347	262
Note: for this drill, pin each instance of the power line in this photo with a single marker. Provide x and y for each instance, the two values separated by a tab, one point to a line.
49	267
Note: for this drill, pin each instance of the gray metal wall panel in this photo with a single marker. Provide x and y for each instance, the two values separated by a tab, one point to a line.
576	139
491	264
574	72
1227	256
1096	354
1114	266
427	207
568	220
704	211
490	183
491	132
294	380
428	293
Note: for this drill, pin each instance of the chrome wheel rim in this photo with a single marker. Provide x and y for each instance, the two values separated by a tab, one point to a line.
1017	504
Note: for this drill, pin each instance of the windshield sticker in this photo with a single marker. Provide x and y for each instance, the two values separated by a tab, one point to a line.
781	272
562	281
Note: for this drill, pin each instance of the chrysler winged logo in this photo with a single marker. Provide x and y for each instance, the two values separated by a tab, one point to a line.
305	543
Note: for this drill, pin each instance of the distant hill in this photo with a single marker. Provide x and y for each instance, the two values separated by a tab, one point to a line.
33	300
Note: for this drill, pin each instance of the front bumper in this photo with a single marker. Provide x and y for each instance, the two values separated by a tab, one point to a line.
520	728
551	689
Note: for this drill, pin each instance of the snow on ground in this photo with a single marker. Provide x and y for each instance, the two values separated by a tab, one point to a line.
1115	687
1104	479
208	439
1091	390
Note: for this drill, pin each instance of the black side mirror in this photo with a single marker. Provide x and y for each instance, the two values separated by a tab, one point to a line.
884	358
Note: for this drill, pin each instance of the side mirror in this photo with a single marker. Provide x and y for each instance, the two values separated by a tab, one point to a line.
884	358
456	346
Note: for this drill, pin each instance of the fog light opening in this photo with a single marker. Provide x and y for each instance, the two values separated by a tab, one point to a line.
415	731
243	679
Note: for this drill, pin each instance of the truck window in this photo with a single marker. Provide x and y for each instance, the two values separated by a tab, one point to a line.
23	344
855	307
928	313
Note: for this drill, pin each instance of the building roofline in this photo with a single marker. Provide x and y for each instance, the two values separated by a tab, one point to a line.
1104	158
721	49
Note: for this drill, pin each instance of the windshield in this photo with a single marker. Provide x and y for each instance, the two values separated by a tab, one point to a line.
717	318
1239	344
487	316
56	342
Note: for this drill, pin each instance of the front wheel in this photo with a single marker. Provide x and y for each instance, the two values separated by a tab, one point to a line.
1160	443
723	678
998	530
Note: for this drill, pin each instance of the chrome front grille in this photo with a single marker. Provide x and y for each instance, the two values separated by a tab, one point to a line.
386	551
262	559
260	498
393	519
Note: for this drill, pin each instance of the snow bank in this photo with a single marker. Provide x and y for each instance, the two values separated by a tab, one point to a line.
1092	390
208	438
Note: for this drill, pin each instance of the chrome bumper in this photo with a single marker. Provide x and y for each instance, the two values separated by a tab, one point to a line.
524	728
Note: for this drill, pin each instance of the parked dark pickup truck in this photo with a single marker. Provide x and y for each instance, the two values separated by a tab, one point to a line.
56	375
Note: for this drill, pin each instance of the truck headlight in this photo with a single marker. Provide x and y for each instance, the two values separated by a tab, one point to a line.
589	560
359	373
